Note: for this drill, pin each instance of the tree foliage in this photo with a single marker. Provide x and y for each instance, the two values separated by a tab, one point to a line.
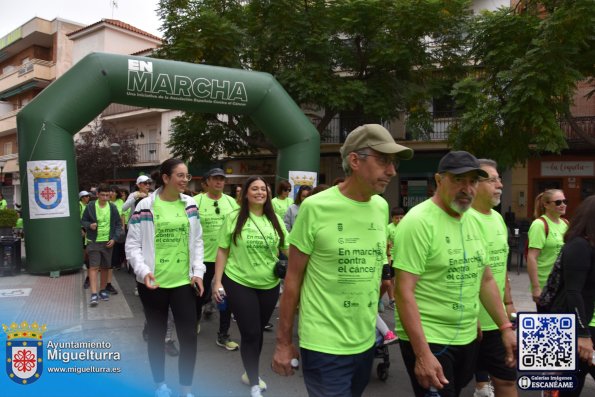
527	64
371	58
94	159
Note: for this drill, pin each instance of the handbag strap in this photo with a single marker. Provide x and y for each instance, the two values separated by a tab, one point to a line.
264	238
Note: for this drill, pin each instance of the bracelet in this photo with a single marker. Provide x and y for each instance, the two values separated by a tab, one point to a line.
505	326
508	303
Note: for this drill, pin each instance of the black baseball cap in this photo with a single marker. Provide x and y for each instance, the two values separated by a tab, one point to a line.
459	162
214	172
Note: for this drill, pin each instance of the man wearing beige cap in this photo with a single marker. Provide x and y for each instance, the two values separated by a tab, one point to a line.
337	250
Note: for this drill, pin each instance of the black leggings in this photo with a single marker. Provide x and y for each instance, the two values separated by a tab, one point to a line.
156	304
583	369
224	316
252	308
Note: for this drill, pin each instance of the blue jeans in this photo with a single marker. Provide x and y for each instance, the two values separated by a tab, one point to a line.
333	375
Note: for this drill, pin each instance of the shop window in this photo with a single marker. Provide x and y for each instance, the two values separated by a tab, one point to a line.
587	188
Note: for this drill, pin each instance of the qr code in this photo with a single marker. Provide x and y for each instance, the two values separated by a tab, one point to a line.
546	342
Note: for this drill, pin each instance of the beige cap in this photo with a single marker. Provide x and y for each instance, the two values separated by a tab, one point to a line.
374	136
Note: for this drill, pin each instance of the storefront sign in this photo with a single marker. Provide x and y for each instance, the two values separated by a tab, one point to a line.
567	168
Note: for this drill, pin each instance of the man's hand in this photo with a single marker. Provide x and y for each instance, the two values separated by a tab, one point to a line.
110	244
428	372
284	353
93	226
509	341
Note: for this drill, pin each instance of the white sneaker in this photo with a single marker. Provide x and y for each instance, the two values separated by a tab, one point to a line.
255	391
485	391
163	391
261	383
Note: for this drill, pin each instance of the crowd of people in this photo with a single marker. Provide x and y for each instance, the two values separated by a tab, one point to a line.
443	265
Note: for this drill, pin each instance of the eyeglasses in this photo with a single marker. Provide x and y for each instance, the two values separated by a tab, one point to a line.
144	183
559	202
491	180
217	209
186	177
383	161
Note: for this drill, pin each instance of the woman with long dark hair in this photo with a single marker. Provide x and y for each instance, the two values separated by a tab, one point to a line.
578	281
164	247
546	237
249	244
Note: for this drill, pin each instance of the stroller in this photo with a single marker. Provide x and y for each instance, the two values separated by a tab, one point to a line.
381	352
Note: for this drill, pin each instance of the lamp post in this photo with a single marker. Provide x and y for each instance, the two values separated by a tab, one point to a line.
2	164
115	149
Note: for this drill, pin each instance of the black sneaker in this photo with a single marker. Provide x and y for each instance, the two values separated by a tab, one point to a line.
268	327
86	283
171	349
110	288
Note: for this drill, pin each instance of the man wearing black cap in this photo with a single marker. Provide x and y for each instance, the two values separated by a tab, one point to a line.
442	272
213	206
337	251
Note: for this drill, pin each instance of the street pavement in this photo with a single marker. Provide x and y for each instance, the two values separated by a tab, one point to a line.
61	303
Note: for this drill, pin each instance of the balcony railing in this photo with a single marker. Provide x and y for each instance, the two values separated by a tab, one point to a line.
34	69
338	129
587	124
147	153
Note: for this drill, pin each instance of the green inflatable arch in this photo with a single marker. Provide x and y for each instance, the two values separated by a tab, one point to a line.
47	125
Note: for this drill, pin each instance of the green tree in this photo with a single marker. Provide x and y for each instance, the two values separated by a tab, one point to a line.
371	58
527	63
94	159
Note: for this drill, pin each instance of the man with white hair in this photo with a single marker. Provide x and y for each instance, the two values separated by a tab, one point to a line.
491	357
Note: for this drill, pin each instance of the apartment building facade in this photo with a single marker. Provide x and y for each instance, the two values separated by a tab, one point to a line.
31	57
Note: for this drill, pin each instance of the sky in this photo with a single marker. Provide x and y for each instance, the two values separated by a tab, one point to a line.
138	13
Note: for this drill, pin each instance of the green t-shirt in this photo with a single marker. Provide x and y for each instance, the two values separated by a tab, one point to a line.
82	208
448	255
126	214
172	256
119	203
211	222
3	204
103	222
281	206
346	242
251	262
496	236
390	230
550	247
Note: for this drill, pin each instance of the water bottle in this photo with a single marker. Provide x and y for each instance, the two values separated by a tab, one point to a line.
513	320
295	363
432	392
222	306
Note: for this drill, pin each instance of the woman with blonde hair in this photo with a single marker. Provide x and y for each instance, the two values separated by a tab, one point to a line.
546	237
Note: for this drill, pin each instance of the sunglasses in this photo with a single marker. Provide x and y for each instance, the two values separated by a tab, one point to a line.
217	209
559	202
